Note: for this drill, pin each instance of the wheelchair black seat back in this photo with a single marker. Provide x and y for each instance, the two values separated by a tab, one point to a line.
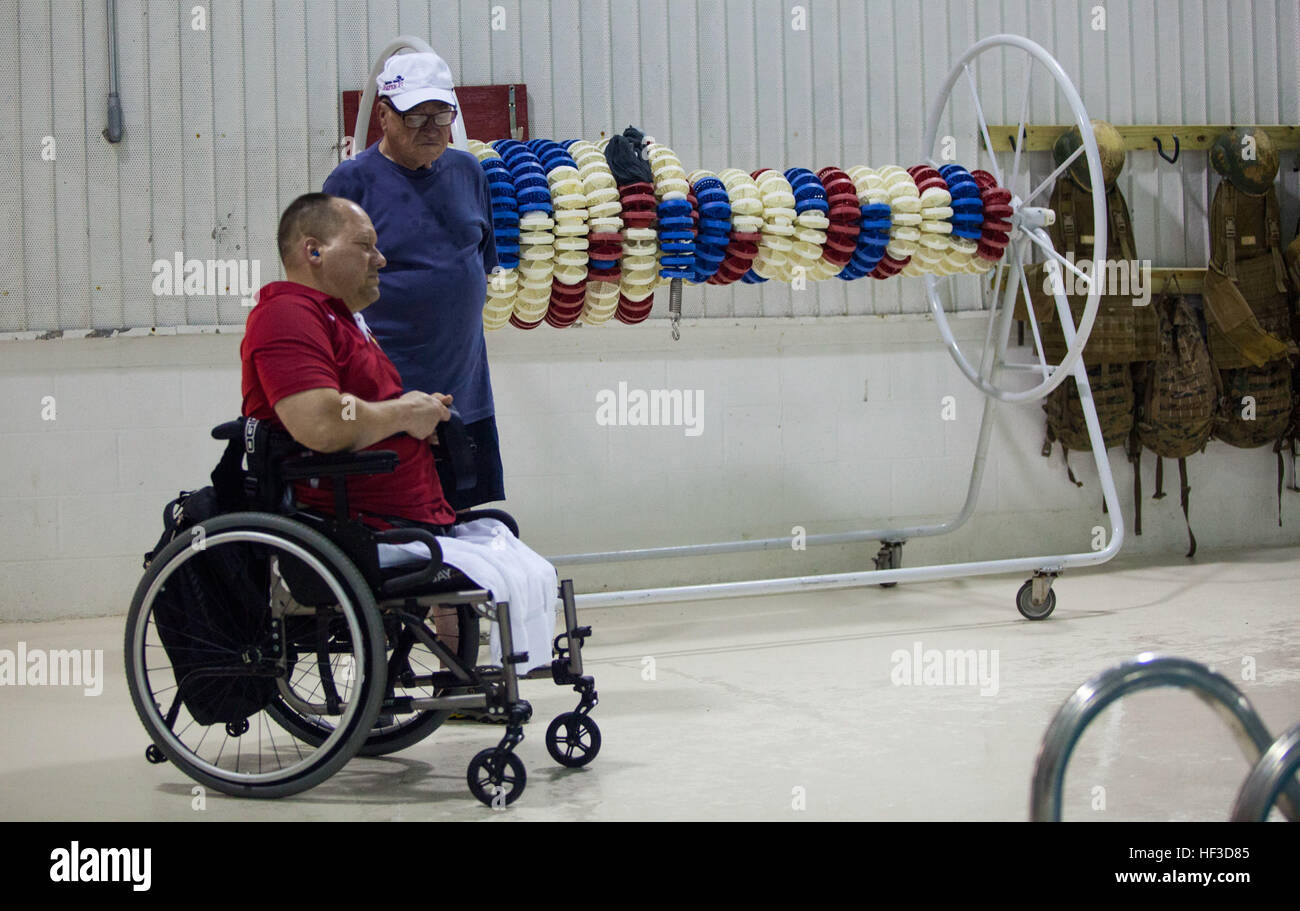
267	644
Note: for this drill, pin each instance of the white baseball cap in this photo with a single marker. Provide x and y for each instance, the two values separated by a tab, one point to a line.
411	79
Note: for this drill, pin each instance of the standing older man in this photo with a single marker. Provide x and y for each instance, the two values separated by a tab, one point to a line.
432	209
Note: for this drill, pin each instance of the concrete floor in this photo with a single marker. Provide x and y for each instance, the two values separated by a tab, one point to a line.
758	705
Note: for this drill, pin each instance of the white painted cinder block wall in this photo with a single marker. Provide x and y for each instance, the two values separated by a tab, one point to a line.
788	439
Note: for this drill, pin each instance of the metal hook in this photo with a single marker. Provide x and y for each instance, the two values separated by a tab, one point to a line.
1160	149
1172	279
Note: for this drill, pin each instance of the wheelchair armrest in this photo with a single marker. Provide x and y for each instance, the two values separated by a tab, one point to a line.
231	430
422	576
337	464
469	515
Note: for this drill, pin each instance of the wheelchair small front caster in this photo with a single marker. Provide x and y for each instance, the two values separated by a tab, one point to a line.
237	728
573	739
1025	601
154	755
496	777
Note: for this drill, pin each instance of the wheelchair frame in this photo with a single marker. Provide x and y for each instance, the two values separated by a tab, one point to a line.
383	620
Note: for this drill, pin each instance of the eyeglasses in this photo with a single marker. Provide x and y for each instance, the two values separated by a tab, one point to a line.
415	121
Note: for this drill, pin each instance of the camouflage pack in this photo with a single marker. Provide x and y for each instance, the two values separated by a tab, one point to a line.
1180	388
1112	392
1178	399
1247	311
1256	405
1122	333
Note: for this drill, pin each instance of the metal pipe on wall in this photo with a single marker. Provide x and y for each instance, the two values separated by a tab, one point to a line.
113	132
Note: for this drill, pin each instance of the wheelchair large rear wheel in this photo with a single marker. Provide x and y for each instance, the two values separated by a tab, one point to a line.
205	654
397	731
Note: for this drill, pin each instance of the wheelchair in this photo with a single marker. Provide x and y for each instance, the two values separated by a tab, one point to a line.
267	644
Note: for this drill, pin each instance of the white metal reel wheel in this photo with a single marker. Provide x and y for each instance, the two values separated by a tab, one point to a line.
1029	224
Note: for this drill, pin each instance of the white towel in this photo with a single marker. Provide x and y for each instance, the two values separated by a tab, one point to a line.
486	552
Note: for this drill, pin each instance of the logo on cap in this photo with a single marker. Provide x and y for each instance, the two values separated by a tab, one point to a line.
395	83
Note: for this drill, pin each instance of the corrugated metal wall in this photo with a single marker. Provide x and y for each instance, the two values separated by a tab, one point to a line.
226	123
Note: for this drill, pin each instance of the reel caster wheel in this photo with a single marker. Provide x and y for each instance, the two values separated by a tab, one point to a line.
573	739
496	778
890	556
154	755
1029	610
237	728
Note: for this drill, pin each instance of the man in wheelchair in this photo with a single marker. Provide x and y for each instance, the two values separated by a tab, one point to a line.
358	548
311	365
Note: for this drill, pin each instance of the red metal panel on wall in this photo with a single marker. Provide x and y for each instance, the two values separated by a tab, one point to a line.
484	109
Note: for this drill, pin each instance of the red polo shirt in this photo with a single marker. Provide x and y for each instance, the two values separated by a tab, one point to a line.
296	339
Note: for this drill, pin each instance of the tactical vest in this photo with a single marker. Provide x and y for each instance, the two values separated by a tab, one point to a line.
1247	312
1122	332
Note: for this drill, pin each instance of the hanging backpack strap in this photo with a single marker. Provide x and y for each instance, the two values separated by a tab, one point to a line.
1281	471
1160	479
1185	492
1137	493
1288	441
1135	445
1069	229
1273	230
1294	271
1230	230
1120	224
1291	448
1065	452
1279	486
